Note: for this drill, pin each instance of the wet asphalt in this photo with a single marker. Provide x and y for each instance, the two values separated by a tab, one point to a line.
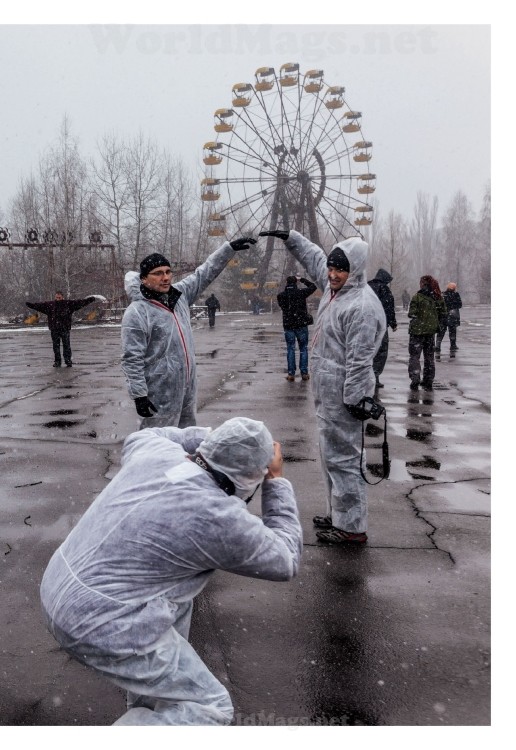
395	633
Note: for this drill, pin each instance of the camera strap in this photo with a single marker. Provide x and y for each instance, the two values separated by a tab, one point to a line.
386	464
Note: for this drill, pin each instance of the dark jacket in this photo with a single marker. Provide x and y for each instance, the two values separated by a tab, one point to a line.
426	314
384	294
453	303
293	305
59	311
212	303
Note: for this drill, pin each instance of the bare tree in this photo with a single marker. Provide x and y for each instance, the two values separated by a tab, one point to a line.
484	248
109	185
392	252
423	236
144	181
458	245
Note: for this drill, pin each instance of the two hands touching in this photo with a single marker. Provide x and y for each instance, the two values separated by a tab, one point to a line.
243	243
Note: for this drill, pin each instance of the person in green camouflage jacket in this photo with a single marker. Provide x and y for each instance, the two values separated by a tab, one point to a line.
426	310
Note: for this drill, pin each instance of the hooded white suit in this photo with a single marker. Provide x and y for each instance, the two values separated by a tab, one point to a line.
118	593
349	329
158	358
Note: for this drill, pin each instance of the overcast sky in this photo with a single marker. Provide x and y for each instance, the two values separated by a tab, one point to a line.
423	90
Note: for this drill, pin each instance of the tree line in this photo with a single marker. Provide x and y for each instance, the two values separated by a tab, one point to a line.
137	198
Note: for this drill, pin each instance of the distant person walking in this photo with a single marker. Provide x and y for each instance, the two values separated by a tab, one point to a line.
426	311
213	305
453	304
380	286
59	318
296	320
405	299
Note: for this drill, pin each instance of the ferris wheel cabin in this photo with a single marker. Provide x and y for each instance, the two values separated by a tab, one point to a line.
352	124
211	158
334	98
366	183
264	79
362	150
289	74
223	123
314	84
216	225
208	192
242	93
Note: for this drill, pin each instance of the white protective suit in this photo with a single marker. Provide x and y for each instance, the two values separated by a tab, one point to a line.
348	332
118	593
158	355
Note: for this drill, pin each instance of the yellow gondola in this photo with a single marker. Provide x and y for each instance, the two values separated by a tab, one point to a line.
366	183
352	124
264	79
210	156
208	193
216	225
363	209
363	221
289	74
362	151
249	271
334	98
222	120
242	94
248	285
315	83
271	285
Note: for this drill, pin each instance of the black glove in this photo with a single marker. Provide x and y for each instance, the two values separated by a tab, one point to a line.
144	406
277	233
242	243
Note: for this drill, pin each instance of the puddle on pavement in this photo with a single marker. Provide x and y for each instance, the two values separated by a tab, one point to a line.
427	462
61	424
419	435
422	476
5	416
373	430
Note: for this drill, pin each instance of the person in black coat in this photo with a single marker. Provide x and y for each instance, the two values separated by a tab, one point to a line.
453	303
59	318
213	305
296	319
380	285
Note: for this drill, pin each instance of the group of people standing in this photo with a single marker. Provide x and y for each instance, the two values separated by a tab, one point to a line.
431	314
118	593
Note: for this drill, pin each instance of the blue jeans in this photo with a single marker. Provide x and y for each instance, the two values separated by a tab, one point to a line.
301	334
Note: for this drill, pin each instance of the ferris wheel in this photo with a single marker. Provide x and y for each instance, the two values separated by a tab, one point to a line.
288	154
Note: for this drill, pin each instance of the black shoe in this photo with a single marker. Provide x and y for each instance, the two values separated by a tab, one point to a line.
68	364
454	348
56	364
322	522
379	385
414	385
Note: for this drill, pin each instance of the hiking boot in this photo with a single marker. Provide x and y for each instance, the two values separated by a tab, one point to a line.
290	378
414	385
379	385
305	376
68	364
322	522
339	536
56	364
